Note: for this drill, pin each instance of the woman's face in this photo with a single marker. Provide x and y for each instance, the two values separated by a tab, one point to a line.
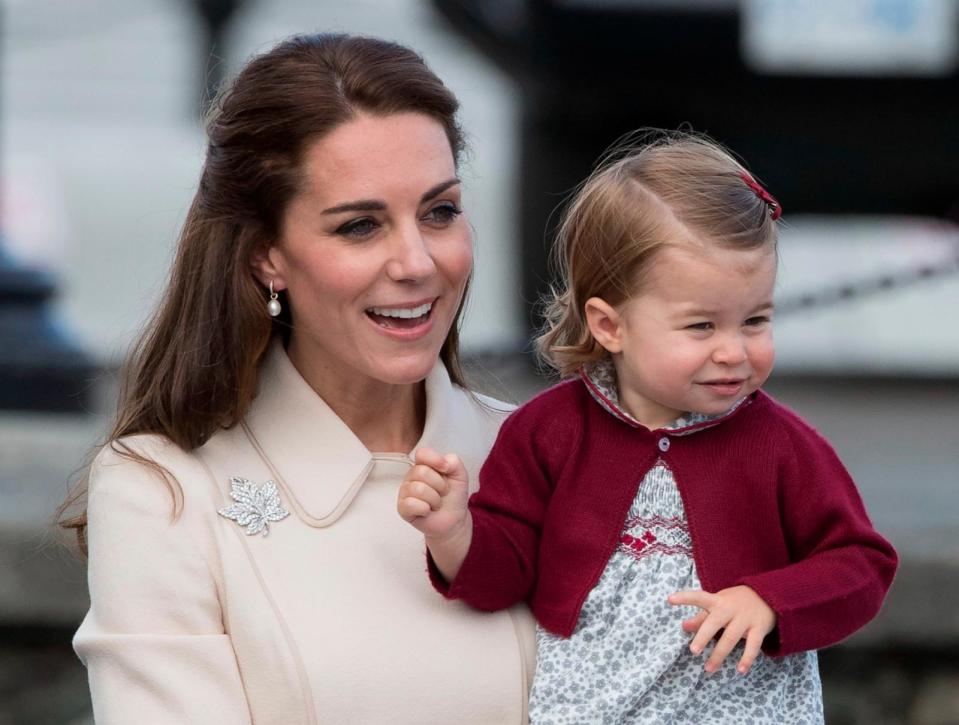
374	252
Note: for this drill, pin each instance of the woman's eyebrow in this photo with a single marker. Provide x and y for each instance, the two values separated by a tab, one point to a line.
439	189
360	205
379	205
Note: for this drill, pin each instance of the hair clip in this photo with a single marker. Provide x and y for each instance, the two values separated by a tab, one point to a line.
775	210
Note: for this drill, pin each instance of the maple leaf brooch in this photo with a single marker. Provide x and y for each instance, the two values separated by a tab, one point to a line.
255	507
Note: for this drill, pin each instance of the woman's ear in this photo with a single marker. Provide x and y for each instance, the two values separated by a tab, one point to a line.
264	263
604	322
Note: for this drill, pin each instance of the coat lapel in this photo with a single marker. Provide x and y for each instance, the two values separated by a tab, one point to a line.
318	463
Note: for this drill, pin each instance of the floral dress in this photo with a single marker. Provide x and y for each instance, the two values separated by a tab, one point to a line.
628	660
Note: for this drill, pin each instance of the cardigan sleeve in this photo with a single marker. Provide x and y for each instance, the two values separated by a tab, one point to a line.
508	512
842	568
153	640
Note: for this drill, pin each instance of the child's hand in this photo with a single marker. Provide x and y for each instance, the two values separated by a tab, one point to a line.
739	611
433	495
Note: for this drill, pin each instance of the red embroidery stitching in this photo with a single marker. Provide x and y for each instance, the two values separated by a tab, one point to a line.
639	544
646	544
640	548
664	549
670	523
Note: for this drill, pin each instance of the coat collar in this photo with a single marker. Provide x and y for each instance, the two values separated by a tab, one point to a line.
600	379
316	459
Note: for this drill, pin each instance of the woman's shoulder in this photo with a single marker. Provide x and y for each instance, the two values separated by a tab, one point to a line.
480	409
119	450
144	472
490	406
134	454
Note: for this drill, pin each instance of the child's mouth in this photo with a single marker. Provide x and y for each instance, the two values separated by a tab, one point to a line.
725	386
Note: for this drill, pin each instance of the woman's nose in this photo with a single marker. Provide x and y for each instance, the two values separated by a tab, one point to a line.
410	258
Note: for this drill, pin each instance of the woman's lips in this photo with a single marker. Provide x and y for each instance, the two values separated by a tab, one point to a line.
406	322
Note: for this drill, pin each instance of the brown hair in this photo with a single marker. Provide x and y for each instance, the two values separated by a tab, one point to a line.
195	368
671	188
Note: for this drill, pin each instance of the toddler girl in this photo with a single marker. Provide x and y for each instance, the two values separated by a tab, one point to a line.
657	493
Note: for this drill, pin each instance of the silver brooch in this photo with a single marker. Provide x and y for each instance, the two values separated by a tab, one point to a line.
255	507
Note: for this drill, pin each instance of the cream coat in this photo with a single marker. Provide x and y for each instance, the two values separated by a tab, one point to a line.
328	619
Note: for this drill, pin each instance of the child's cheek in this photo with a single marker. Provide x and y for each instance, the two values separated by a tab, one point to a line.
763	359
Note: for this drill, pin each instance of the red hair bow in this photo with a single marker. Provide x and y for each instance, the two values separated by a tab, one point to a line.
775	209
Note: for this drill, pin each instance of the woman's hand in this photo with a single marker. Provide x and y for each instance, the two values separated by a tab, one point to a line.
433	499
739	611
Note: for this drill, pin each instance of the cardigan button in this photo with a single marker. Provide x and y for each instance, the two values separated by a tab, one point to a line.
664	444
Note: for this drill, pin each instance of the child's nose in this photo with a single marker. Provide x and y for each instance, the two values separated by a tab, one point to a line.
730	350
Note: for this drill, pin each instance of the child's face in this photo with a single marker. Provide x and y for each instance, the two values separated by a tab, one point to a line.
698	334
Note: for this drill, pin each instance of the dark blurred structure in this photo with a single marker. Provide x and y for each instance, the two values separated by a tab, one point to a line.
40	368
589	71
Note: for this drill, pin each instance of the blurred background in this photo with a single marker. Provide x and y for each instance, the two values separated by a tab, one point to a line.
848	110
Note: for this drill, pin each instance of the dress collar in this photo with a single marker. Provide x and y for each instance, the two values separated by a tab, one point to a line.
600	380
316	459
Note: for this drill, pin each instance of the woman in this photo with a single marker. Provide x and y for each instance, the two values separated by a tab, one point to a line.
246	563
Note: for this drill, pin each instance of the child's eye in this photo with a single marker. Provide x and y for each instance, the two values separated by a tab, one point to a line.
443	214
757	321
358	228
704	326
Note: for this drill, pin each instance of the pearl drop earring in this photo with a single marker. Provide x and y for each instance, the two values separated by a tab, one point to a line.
273	306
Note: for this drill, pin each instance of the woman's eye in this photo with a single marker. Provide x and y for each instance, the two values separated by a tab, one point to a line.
443	214
757	321
358	228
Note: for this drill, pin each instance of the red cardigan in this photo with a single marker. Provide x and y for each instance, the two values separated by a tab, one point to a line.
768	504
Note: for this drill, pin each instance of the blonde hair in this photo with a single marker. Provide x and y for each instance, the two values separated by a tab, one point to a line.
672	188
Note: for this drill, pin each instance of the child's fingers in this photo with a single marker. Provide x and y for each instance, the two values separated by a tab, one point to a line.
429	457
693	597
712	624
450	465
694	623
704	624
729	639
423	492
429	477
754	642
411	509
454	467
